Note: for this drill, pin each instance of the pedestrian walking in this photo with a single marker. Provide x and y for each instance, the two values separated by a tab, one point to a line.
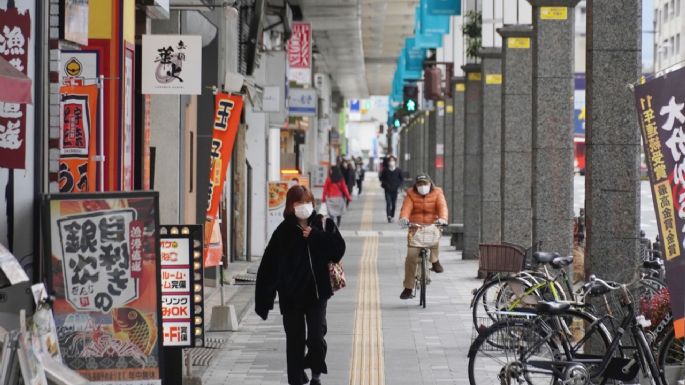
336	196
348	173
391	181
295	264
424	205
359	174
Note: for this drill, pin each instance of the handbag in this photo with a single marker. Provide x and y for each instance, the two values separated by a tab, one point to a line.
335	270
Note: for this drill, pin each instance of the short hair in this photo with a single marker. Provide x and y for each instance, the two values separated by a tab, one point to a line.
296	194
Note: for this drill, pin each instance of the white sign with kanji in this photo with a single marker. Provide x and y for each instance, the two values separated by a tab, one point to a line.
300	54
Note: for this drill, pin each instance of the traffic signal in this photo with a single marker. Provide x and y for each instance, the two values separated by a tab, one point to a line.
396	123
411	94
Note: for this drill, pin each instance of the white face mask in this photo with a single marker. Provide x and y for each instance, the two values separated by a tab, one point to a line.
392	165
304	211
423	189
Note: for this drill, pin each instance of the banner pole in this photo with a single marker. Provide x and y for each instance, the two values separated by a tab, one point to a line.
100	158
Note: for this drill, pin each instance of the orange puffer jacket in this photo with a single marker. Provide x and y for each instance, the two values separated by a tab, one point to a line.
424	209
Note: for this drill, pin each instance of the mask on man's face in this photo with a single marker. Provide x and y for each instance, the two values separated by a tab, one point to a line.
423	189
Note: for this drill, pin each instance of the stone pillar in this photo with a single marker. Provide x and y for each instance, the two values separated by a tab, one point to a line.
438	149
432	134
425	143
472	160
491	144
457	208
612	179
517	134
553	55
448	160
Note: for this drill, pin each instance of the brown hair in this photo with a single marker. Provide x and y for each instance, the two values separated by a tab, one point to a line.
296	194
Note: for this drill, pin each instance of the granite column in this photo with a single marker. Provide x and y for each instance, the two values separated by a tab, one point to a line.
612	180
472	160
457	202
553	56
517	134
448	160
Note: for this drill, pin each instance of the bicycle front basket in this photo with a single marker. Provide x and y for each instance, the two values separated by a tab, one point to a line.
427	236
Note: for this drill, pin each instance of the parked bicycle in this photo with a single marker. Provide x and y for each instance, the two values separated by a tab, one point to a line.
535	351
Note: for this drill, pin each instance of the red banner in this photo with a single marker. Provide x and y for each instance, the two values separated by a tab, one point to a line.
227	110
77	139
14	47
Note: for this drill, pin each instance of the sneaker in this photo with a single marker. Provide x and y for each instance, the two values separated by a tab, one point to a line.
389	219
437	267
406	294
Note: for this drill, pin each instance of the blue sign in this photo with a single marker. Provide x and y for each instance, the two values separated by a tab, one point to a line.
430	23
444	7
354	105
423	40
415	56
302	102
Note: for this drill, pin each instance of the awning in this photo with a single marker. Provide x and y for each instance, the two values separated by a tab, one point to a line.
15	87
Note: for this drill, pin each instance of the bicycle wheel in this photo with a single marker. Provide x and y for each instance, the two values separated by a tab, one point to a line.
484	306
657	377
512	351
670	350
424	258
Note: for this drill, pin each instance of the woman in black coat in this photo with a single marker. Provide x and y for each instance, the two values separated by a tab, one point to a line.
295	264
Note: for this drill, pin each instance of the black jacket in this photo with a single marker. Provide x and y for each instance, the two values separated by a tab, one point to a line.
286	266
391	180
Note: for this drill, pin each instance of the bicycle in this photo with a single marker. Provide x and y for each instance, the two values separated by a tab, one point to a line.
540	350
424	237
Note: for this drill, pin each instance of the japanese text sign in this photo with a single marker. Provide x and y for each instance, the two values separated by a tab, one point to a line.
15	32
661	113
300	53
103	270
181	285
77	144
227	110
172	64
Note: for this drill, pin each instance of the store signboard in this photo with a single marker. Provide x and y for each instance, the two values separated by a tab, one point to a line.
300	53
180	250
302	102
172	65
104	274
74	26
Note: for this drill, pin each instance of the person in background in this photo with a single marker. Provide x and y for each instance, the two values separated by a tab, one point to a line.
359	174
348	173
293	182
295	264
336	196
424	205
391	181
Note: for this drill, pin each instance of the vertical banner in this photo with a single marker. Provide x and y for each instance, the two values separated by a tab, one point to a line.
14	47
227	110
181	285
77	138
103	271
300	53
661	113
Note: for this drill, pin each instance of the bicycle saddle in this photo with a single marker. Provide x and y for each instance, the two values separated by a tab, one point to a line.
560	262
544	257
654	265
552	308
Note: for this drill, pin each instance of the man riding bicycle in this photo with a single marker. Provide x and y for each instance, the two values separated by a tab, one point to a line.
424	205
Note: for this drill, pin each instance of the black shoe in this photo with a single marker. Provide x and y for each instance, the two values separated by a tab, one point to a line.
315	381
437	267
389	219
406	294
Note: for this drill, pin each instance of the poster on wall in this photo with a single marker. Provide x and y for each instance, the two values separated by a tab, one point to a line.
300	53
127	141
15	36
103	253
79	65
660	105
276	204
74	25
227	111
77	141
172	65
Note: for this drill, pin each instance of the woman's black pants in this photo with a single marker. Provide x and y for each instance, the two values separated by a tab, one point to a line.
305	326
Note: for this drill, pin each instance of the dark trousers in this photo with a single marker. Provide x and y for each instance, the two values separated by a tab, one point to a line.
359	186
390	202
305	326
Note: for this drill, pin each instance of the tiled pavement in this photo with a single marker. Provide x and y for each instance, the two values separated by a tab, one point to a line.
421	346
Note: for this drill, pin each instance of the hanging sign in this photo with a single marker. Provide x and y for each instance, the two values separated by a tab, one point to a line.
432	23
227	110
300	53
181	285
661	113
172	65
14	48
104	274
303	102
444	7
77	140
